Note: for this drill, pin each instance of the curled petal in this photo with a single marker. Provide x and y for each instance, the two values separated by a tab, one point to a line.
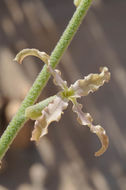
33	52
86	119
90	83
57	77
100	132
49	114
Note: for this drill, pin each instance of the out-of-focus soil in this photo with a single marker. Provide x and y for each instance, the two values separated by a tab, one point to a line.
64	160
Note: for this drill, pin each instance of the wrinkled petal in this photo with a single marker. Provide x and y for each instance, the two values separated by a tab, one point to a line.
57	77
90	83
31	52
86	119
49	114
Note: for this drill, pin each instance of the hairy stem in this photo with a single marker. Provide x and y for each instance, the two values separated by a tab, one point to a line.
35	111
19	119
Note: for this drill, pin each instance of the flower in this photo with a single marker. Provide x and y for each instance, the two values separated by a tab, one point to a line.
54	110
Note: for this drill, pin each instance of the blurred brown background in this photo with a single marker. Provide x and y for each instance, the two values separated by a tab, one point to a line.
64	159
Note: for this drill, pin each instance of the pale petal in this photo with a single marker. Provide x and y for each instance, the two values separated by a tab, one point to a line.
90	83
51	113
31	52
86	119
57	77
100	132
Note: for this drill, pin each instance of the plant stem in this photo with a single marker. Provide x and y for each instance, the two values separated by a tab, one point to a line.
19	119
35	111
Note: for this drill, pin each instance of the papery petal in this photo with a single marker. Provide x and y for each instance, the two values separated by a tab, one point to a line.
86	119
49	114
90	83
100	132
31	52
57	77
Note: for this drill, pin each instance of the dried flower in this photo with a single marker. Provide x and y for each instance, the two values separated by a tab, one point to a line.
55	108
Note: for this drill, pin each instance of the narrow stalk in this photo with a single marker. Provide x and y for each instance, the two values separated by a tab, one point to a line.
35	111
19	119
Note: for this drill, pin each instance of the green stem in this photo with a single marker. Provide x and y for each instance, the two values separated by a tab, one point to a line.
19	119
35	111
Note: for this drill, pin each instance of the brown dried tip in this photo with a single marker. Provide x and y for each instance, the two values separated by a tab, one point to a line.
100	132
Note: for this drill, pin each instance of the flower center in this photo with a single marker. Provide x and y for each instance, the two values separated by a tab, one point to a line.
67	93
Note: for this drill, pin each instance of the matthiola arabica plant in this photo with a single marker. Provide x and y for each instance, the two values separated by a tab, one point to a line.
51	109
54	109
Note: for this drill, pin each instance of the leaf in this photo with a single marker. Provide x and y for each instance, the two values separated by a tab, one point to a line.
90	83
86	119
51	113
